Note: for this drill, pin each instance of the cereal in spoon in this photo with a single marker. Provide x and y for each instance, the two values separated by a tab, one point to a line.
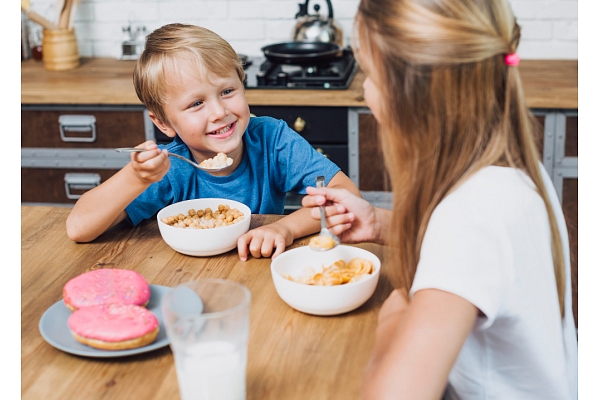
219	161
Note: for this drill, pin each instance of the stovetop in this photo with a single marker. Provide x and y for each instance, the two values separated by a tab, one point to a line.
336	74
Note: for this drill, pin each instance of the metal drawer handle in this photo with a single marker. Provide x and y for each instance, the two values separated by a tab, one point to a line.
77	123
80	181
299	124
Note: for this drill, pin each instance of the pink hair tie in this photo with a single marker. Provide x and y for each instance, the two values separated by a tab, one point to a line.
512	60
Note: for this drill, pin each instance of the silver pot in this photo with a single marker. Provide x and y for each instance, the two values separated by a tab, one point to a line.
317	28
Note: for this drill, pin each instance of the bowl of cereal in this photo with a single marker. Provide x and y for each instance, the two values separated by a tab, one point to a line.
203	227
325	283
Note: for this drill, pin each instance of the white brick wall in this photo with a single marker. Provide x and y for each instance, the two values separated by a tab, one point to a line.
549	26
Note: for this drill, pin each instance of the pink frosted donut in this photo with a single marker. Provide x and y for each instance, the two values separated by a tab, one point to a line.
114	326
104	286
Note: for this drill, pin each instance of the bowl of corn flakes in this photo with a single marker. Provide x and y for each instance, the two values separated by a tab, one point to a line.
203	227
325	282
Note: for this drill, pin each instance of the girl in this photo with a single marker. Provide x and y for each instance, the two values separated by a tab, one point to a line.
482	306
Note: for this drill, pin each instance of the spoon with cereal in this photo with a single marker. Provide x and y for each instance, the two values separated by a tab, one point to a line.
326	240
217	163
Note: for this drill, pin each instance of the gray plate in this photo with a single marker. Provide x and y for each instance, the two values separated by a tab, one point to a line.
54	329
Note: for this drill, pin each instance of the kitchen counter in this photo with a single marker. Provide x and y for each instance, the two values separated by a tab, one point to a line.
291	355
547	84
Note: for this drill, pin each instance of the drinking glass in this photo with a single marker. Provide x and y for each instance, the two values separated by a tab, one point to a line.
207	323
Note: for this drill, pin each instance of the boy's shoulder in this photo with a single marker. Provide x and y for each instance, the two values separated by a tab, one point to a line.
269	128
176	146
266	122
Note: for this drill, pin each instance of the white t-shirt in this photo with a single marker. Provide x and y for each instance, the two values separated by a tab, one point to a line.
489	243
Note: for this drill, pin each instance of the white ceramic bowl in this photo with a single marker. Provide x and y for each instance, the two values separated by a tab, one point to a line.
322	300
202	242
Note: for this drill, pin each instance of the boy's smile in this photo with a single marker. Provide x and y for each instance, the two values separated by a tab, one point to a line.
224	132
208	112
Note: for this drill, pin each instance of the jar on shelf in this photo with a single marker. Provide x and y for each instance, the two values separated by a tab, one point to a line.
35	43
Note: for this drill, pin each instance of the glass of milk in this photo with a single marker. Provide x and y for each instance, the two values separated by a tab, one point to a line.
207	323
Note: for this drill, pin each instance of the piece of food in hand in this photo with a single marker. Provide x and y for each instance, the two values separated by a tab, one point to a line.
105	286
114	326
338	273
219	161
322	242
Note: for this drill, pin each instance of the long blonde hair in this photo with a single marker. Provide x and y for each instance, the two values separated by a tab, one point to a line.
450	107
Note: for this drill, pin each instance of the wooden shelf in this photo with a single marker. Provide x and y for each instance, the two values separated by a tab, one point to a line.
547	84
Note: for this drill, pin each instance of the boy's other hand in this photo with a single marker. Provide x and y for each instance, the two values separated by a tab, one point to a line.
150	166
261	242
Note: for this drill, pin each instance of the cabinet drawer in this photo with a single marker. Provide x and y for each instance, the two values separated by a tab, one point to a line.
321	124
47	185
82	127
372	173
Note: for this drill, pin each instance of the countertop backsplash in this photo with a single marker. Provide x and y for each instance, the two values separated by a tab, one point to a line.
549	26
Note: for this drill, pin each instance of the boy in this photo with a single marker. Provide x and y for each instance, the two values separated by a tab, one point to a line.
191	81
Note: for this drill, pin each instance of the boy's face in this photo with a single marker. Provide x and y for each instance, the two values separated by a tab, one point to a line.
209	114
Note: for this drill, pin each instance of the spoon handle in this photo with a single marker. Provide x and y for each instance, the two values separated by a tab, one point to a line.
320	184
184	159
137	150
130	150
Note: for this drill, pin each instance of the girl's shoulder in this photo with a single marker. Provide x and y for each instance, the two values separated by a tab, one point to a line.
492	193
493	182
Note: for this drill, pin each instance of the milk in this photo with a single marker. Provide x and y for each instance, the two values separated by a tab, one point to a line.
211	371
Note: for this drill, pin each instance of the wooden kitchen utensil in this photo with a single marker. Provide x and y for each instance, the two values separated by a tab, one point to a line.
72	15
35	17
63	21
60	51
60	5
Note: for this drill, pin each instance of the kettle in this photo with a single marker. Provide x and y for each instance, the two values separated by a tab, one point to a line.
316	28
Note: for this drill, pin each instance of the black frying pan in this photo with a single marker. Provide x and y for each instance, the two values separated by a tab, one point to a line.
301	52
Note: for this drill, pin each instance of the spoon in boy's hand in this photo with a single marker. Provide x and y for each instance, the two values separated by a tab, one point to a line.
219	162
326	240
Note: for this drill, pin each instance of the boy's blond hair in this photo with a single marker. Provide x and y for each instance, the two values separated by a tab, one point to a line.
174	42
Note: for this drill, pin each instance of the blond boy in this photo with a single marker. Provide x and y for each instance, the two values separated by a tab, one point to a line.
191	81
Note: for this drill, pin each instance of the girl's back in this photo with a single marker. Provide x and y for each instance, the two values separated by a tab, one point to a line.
488	242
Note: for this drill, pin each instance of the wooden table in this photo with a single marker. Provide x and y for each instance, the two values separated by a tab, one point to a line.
291	355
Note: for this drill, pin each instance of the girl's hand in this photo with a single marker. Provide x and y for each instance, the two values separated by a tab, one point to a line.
150	166
348	216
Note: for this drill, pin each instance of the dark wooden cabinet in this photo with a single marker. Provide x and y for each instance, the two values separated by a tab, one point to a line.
81	127
66	150
325	128
52	185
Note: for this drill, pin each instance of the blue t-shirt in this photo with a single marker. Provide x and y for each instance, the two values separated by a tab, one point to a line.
276	160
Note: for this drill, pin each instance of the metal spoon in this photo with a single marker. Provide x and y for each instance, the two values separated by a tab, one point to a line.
185	302
187	306
137	150
326	240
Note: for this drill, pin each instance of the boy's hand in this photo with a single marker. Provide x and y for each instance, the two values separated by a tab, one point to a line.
150	166
261	241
